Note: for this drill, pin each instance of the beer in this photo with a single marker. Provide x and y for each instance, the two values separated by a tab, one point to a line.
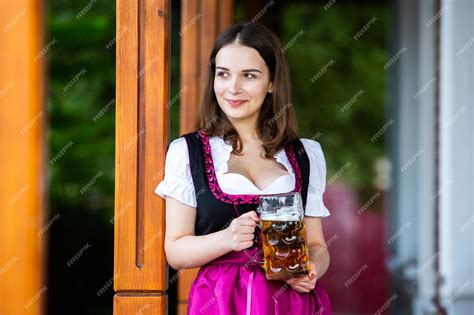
285	251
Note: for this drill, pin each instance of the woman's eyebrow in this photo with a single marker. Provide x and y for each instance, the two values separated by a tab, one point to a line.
246	70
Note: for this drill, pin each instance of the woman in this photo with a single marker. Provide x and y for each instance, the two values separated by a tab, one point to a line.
245	146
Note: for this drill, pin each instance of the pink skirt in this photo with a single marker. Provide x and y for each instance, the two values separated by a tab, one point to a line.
235	284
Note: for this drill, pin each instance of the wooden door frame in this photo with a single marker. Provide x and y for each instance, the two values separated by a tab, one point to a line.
142	137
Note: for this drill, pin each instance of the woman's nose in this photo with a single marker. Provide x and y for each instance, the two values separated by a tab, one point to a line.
234	86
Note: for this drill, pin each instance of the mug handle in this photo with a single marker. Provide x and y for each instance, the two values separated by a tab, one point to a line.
259	223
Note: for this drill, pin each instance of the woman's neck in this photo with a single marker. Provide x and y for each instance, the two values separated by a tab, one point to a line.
247	133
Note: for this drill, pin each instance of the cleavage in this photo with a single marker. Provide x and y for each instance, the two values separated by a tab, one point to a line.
239	165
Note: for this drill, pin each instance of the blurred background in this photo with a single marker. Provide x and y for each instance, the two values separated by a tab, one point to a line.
384	86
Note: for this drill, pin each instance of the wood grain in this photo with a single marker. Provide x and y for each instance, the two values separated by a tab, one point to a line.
142	133
201	22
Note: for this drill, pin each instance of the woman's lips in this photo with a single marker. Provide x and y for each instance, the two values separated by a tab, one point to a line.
236	102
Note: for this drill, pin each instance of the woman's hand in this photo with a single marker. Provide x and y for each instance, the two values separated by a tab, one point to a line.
306	283
240	233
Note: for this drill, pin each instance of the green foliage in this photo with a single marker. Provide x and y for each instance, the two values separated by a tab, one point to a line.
326	35
81	84
81	74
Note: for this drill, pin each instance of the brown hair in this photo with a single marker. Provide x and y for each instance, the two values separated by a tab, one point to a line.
277	125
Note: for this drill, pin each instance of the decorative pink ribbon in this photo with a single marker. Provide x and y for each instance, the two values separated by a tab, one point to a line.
249	292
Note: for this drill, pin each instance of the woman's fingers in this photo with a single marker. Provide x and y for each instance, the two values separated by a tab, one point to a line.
312	270
248	222
302	283
248	229
251	215
300	288
244	229
240	232
246	237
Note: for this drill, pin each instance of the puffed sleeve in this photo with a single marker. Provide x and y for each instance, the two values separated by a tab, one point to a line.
317	179
178	181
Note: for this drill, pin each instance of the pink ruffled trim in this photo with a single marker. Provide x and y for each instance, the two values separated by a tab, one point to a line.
241	199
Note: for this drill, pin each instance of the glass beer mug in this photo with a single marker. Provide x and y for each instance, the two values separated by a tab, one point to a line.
283	234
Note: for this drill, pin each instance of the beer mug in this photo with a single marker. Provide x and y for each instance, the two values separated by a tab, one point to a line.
283	234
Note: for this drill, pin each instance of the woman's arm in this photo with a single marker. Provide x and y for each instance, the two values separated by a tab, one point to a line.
183	249
317	246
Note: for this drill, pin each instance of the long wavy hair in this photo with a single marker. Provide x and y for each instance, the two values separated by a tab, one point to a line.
277	125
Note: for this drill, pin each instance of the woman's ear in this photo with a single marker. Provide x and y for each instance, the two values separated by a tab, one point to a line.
270	88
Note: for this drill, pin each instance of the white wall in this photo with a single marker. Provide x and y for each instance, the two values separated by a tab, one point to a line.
414	195
457	155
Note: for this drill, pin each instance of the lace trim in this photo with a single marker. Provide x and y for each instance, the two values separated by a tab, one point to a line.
240	199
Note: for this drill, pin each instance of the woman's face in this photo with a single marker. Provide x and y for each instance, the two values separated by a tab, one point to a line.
242	76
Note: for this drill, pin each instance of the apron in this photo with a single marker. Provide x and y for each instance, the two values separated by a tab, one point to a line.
235	283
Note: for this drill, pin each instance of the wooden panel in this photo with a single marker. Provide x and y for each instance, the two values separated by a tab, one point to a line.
225	15
142	305
209	33
201	22
182	308
23	286
185	281
142	132
190	67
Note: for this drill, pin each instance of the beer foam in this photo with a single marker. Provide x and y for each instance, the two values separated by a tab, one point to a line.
280	217
288	213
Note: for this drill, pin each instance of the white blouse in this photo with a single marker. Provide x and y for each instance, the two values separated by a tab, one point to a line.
178	181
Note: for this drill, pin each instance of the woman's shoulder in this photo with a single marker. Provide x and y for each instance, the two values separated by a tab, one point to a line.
314	151
178	144
178	151
179	147
311	145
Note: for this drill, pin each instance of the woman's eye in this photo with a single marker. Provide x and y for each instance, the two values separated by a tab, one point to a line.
225	75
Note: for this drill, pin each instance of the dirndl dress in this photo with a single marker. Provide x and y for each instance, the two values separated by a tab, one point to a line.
235	283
